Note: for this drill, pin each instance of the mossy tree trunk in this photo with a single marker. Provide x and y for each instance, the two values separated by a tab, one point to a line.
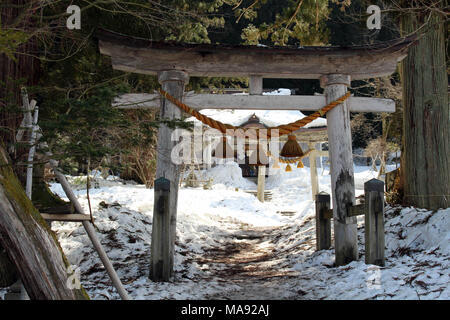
30	244
425	158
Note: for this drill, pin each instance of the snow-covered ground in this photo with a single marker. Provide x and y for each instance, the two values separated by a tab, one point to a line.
231	246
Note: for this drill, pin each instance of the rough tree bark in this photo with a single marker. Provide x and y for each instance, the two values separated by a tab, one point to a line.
30	244
24	69
425	158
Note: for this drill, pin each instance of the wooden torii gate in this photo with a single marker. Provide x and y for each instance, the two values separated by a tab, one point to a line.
334	66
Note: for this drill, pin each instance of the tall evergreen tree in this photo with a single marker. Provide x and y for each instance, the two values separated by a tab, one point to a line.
426	130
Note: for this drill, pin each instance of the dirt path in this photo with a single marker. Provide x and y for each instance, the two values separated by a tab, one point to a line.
250	262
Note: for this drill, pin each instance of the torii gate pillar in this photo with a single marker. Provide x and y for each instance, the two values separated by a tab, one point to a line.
166	196
342	177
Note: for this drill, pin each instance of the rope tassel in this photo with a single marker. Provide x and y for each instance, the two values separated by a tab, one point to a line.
291	148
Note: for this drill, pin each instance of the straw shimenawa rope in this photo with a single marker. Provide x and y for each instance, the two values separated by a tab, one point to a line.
282	129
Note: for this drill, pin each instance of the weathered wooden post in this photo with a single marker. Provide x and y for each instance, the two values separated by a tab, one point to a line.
313	171
255	85
161	265
342	181
261	182
323	221
161	270
256	88
374	222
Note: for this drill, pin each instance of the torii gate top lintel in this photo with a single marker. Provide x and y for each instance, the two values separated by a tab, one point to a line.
150	57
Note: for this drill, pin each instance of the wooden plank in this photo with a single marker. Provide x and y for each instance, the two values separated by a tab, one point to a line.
253	102
357	210
374	222
163	236
323	223
321	153
63	209
318	153
342	180
203	60
72	217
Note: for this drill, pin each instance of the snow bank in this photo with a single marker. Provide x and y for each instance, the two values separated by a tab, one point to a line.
228	174
228	221
418	230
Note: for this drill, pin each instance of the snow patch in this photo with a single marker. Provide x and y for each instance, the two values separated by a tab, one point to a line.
216	227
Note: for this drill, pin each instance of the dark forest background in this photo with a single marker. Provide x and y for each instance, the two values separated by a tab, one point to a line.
74	84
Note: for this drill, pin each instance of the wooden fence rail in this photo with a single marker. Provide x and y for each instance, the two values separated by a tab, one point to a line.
373	211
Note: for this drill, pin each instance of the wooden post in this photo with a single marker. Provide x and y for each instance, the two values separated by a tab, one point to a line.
33	139
323	223
256	88
374	222
320	158
255	85
173	82
161	271
313	171
342	180
261	182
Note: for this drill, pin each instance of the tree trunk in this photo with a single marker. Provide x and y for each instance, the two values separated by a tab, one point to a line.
30	244
425	159
24	70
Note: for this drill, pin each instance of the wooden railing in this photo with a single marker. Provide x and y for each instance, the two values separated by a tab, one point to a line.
373	210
